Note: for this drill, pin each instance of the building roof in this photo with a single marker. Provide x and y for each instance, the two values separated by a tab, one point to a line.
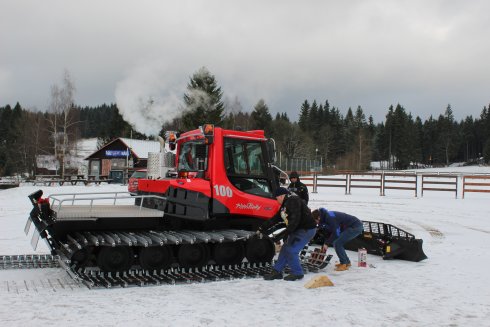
139	148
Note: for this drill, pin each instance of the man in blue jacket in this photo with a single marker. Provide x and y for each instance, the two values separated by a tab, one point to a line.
342	228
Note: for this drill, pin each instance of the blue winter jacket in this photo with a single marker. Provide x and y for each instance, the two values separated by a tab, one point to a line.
335	222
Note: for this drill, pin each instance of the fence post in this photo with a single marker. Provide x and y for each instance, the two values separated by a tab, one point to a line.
464	185
348	182
416	183
315	179
457	181
383	181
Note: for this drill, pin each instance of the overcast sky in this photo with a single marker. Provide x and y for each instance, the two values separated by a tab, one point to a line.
421	54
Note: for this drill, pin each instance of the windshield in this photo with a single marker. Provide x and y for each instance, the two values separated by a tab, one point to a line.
245	168
189	157
139	174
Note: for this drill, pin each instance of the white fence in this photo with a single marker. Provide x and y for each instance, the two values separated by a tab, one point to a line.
386	182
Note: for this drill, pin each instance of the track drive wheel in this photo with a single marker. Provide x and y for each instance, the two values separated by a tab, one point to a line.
260	250
193	255
112	259
155	257
81	257
228	253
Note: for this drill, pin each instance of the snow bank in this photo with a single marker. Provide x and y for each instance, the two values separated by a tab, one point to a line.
448	289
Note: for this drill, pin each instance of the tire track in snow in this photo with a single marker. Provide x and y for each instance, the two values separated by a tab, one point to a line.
434	232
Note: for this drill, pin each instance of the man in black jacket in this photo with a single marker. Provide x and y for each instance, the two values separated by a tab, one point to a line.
300	229
298	187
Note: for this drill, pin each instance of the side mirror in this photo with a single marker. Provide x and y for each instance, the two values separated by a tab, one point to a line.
271	149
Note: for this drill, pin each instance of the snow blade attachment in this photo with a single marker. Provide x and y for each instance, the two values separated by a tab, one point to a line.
388	241
41	217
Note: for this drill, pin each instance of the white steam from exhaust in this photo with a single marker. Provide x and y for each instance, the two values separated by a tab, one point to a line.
148	97
199	98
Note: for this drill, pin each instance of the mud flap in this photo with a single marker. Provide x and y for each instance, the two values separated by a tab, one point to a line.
405	250
366	240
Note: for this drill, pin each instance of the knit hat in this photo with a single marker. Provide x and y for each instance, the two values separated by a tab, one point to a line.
294	174
280	191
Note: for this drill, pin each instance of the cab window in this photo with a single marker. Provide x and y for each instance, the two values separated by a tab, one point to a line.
188	158
245	167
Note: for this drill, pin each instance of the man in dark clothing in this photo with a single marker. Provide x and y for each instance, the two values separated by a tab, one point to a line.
297	187
341	228
300	229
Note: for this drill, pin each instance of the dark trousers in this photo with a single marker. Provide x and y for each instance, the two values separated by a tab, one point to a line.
344	237
289	254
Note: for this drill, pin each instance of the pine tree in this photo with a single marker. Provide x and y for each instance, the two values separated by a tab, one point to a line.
400	142
349	131
446	124
484	134
429	153
304	116
314	120
202	100
417	141
326	113
388	134
261	118
380	148
5	118
469	137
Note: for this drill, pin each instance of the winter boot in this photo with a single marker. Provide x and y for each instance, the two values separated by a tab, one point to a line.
293	277
342	267
347	264
273	275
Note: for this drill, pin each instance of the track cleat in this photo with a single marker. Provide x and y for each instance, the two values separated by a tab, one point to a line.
342	267
293	277
273	275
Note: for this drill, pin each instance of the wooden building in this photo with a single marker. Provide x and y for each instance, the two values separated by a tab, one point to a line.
119	158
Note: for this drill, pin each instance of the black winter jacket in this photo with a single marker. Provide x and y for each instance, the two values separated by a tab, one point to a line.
300	189
295	214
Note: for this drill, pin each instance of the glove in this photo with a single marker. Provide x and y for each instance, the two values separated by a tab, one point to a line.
259	233
280	236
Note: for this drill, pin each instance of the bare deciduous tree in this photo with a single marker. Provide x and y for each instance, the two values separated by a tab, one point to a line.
60	120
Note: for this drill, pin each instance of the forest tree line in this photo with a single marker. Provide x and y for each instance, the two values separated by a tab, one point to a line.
349	141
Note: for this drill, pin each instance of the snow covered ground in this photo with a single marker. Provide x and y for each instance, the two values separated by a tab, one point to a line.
449	289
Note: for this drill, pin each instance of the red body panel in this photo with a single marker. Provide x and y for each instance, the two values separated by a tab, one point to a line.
216	184
239	202
161	185
133	182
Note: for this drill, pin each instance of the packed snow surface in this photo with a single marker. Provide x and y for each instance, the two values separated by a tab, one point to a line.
450	288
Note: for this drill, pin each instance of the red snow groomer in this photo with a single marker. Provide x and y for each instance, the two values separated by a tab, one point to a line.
205	195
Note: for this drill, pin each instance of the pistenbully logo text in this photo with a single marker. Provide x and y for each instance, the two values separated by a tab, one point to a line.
249	206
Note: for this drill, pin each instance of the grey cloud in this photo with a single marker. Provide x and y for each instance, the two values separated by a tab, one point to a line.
422	54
